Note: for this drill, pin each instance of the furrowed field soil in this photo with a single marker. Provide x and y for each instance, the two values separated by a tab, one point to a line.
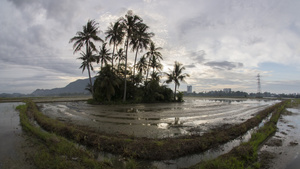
159	120
149	148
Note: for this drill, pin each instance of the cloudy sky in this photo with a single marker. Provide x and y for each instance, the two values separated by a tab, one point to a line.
222	43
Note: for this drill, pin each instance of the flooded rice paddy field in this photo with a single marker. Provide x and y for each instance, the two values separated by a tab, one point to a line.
159	120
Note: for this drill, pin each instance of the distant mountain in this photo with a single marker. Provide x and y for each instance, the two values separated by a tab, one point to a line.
73	88
5	95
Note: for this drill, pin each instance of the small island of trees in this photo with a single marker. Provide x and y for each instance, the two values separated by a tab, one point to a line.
117	80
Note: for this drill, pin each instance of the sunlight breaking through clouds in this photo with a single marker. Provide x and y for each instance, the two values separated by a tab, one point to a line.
221	43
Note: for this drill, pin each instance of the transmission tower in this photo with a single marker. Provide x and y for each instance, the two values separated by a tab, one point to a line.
258	86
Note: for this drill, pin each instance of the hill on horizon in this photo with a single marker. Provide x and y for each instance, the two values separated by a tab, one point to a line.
73	88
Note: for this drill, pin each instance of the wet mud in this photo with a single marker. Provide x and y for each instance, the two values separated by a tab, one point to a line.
12	142
194	116
282	150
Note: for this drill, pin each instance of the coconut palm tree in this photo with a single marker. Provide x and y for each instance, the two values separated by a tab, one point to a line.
155	76
120	56
153	53
115	35
155	64
87	60
130	25
141	40
107	82
86	37
103	55
142	65
176	75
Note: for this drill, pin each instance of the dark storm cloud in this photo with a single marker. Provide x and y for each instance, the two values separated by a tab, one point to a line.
224	65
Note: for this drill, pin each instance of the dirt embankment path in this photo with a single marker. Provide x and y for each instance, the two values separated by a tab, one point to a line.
283	149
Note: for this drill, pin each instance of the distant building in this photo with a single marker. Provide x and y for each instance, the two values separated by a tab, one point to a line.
189	89
227	90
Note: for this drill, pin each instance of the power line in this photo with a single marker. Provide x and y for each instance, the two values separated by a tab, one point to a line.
258	86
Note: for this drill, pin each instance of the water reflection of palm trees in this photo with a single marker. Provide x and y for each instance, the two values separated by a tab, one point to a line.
176	121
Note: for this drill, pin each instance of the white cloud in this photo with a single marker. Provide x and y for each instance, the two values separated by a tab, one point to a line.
212	38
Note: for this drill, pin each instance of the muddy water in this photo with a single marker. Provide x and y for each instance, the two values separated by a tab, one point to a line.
186	161
284	145
159	120
10	137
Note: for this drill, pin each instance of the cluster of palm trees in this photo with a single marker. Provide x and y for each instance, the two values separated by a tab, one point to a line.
126	33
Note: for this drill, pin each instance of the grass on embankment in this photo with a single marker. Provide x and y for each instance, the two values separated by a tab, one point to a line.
54	151
245	155
146	148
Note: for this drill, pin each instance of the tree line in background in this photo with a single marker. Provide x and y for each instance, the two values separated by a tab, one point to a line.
221	93
117	80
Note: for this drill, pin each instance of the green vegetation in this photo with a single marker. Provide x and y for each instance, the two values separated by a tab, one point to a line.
177	75
146	148
221	93
117	81
131	164
245	155
294	103
54	151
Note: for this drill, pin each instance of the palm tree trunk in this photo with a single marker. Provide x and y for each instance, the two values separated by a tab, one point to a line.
153	65
119	64
91	84
112	57
119	58
175	92
125	80
153	69
148	69
137	49
89	72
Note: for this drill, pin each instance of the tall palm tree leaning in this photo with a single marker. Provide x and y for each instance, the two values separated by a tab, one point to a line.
120	56
176	75
115	35
87	60
155	63
142	65
130	24
141	40
86	37
103	56
152	53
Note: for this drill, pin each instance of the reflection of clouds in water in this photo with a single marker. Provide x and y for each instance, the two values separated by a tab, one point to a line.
163	119
163	125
